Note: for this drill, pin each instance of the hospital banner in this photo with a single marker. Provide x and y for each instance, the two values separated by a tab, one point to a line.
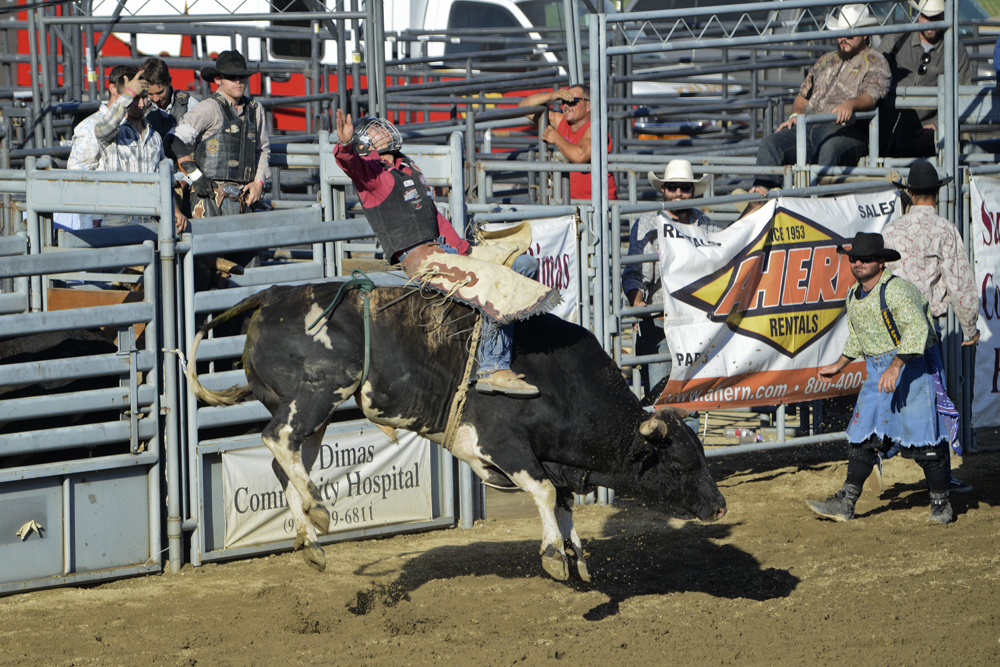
985	227
753	311
554	245
365	479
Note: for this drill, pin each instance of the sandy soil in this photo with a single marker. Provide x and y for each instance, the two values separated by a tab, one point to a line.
770	584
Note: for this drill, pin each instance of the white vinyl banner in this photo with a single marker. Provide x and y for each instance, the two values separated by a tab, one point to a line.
554	245
985	229
365	479
752	311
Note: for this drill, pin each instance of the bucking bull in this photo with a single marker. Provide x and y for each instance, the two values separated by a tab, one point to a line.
586	429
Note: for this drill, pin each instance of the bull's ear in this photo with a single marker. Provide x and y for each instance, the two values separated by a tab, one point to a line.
653	428
681	413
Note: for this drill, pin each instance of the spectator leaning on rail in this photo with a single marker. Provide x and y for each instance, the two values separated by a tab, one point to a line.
399	205
127	141
85	152
916	59
902	401
933	258
227	169
641	282
852	78
569	131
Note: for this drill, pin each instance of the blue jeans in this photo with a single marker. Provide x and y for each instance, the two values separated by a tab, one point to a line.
651	340
495	346
826	144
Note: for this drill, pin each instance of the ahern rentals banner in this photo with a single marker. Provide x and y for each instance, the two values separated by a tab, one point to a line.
366	481
985	226
753	311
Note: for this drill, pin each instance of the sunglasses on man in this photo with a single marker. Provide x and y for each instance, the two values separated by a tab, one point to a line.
924	60
864	259
235	77
574	101
684	188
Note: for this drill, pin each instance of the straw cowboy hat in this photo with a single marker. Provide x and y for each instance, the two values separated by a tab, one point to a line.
923	176
679	171
928	7
867	244
850	17
230	63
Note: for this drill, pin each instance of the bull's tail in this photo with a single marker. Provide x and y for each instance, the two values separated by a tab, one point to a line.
233	395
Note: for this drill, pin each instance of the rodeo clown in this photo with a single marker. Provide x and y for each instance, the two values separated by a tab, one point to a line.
903	400
399	205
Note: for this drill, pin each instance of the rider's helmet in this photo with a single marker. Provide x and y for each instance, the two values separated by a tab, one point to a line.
375	134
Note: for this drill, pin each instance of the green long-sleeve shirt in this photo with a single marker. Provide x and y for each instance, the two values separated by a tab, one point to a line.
867	333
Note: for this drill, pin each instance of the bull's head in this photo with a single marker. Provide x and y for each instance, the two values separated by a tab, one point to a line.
667	466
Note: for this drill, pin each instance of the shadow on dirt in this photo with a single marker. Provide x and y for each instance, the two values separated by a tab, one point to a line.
638	554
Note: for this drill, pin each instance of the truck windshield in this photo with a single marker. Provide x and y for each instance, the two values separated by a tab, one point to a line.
549	13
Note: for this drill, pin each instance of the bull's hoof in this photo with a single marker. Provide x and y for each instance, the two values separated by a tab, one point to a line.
314	556
319	516
582	571
300	541
555	564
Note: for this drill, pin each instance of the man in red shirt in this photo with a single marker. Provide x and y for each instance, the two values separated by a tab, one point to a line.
569	131
399	205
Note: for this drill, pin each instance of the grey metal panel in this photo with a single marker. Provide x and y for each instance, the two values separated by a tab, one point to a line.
263	220
82	578
216	300
80	318
235	414
220	348
38	555
75	260
105	237
77	367
110	511
113	398
77	466
434	161
84	435
281	236
13	245
13	303
269	275
74	191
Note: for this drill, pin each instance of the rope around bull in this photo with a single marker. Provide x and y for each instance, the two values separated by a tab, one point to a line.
360	280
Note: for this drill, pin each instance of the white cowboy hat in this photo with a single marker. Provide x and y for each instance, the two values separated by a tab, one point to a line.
679	171
928	7
850	17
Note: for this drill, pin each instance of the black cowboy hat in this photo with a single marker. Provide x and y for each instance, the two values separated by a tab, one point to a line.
923	176
867	244
230	63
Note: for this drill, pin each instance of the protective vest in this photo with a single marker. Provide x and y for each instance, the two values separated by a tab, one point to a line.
180	106
408	215
230	153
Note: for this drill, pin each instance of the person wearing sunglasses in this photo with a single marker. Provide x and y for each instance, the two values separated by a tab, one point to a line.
916	59
852	78
227	169
569	131
901	401
641	282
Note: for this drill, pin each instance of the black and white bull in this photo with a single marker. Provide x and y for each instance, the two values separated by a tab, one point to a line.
585	429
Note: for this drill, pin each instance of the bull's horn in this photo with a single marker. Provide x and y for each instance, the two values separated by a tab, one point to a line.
653	425
224	265
671	410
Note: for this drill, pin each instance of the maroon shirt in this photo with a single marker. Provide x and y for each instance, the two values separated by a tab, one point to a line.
374	182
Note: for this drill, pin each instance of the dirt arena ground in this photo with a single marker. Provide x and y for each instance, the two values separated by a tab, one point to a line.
770	584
